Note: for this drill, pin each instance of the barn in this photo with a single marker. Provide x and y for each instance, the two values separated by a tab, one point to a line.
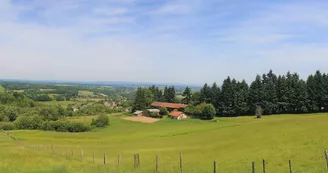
169	106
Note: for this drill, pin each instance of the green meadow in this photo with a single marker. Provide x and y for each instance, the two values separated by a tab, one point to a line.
233	142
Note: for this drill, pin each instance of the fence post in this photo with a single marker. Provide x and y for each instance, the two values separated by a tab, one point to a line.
253	167
181	170
119	160
93	157
52	148
81	154
157	163
215	167
72	152
134	161
326	155
290	166
105	158
66	152
138	159
263	163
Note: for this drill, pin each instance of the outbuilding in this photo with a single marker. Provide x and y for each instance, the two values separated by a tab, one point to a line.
138	113
177	115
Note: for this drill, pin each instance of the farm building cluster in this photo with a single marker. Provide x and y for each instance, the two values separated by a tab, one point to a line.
175	110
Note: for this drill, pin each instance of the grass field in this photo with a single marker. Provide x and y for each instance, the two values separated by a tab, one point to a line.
233	142
85	93
2	89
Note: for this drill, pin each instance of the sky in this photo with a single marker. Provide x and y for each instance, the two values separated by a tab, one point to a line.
159	41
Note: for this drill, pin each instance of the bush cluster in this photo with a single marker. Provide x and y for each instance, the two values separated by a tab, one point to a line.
64	126
101	121
7	126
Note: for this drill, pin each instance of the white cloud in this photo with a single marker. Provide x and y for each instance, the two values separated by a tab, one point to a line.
110	11
173	9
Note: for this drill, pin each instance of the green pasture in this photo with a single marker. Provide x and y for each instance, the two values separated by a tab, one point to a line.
233	142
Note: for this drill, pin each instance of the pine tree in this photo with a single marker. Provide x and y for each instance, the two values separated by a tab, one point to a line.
256	93
187	94
282	94
215	100
206	94
227	98
242	98
270	94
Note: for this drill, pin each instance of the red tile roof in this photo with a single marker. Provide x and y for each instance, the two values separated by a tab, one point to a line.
175	113
169	105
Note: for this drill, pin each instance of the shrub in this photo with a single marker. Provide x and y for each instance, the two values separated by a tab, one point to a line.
49	113
29	122
7	126
101	121
48	126
258	111
163	111
208	112
3	118
60	98
78	127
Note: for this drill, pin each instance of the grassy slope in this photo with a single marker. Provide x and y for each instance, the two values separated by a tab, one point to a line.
234	142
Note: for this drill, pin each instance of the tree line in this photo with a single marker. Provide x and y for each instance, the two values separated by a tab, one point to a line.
274	94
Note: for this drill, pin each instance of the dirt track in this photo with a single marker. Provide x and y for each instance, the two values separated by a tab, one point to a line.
142	119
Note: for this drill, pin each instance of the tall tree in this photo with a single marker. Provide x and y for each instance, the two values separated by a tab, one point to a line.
241	102
187	94
206	94
256	93
215	92
270	93
228	97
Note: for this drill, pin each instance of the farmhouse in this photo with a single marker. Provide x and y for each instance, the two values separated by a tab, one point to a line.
169	106
177	115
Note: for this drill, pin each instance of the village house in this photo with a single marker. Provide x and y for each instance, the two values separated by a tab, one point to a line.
175	114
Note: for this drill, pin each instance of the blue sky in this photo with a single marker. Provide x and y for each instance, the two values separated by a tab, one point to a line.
183	41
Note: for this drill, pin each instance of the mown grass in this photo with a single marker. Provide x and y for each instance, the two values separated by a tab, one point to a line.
233	142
